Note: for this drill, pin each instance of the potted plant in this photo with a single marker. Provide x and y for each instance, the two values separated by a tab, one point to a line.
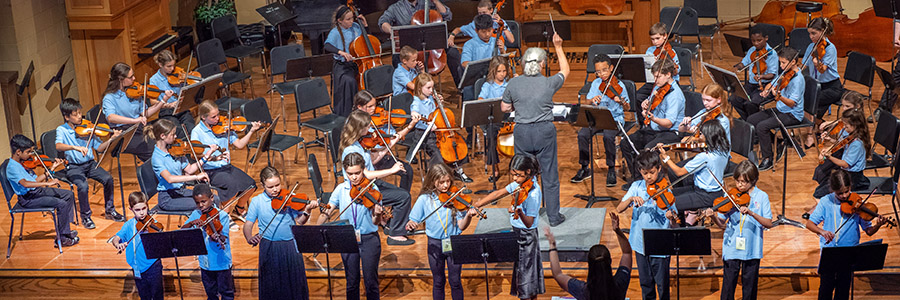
206	12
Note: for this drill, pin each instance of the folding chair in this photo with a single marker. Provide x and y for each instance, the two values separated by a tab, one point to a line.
18	209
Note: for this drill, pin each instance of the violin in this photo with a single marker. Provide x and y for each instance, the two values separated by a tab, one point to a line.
707	116
35	162
180	148
836	128
725	204
854	204
136	90
236	124
661	193
213	227
147	224
759	67
373	140
610	87
452	146
396	118
435	60
454	199
298	201
837	146
86	127
521	194
666	50
819	54
783	83
179	77
658	96
366	48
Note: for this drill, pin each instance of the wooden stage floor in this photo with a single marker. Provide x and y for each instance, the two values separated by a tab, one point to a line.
92	269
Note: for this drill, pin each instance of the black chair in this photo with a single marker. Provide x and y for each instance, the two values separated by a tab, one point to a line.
315	177
211	51
517	44
742	134
799	40
884	185
258	110
594	50
706	9
687	25
225	29
860	68
309	96
48	148
684	67
279	57
775	33
810	100
886	134
379	80
147	182
693	103
18	209
333	138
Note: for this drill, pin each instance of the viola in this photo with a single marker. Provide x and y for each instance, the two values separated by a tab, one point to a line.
35	163
86	127
236	124
137	90
396	118
854	204
435	60
179	77
297	201
658	96
759	67
610	87
455	199
365	48
837	146
452	146
505	140
724	203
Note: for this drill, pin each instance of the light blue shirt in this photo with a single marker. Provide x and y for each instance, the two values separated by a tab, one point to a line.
490	89
647	216
261	210
117	103
205	136
830	61
162	82
334	38
671	108
723	120
715	162
793	91
475	49
440	225
216	259
402	76
163	161
745	226
469	30
531	207
828	213
614	107
15	172
357	148
675	59
423	107
358	215
855	156
134	253
771	64
65	134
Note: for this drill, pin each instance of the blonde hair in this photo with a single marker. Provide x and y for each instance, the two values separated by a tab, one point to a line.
353	127
206	107
659	28
407	52
154	132
421	80
164	57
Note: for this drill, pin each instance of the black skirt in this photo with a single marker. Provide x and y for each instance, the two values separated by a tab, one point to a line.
282	274
344	86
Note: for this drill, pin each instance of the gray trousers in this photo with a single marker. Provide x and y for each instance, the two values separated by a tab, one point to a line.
539	139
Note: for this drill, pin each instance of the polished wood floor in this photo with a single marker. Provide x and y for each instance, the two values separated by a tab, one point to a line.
92	269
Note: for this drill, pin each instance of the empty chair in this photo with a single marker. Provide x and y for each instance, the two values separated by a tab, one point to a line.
211	51
379	80
684	66
279	57
258	110
225	29
860	68
310	96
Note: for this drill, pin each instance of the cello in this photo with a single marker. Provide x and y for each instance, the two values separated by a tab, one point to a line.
434	60
783	12
859	34
365	48
453	147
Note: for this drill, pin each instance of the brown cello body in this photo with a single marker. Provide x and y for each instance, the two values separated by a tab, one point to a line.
437	59
452	146
777	12
867	34
603	7
366	48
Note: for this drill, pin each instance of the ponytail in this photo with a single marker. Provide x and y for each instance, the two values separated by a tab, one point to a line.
155	132
118	72
824	25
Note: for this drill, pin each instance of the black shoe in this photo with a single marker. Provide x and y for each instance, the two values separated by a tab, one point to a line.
72	234
66	242
611	177
765	165
562	218
114	215
626	186
414	161
394	242
87	223
581	175
462	176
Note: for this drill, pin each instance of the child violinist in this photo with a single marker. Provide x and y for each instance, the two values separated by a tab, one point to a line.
661	49
829	214
709	163
282	274
344	75
406	71
498	73
36	191
742	245
365	221
364	101
713	96
171	171
215	266
820	59
122	110
603	69
444	222
788	91
653	271
147	272
230	180
424	103
485	7
761	63
165	59
848	152
528	275
79	153
357	126
852	100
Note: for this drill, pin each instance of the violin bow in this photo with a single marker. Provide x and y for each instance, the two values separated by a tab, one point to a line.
138	231
190	146
449	199
227	204
683	177
287	198
46	169
758	58
91	136
705	112
724	191
666	40
378	134
611	75
834	240
361	192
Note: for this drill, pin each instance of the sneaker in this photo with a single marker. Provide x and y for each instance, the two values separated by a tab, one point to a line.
462	176
581	175
114	215
87	223
611	177
562	218
626	186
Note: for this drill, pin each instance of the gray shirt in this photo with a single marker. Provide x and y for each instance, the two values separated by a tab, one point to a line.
401	13
532	97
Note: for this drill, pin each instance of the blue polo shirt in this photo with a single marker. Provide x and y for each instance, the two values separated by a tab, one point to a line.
723	120
647	216
358	215
357	148
715	162
531	207
469	30
745	226
349	34
830	61
490	89
134	253
261	210
671	108
676	76
205	135
828	213
423	107
618	112
401	77
771	64
216	259
117	103
855	156
65	134
440	225
162	82
475	49
163	161
15	172
793	91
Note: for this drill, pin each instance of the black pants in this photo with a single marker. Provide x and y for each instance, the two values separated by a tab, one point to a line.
406	177
746	108
431	149
344	86
491	155
218	283
765	123
749	274
437	260
645	138
835	285
150	285
370	255
282	274
584	145
184	118
653	274
692	197
137	146
78	174
176	199
539	139
401	202
831	93
454	63
822	175
229	181
62	200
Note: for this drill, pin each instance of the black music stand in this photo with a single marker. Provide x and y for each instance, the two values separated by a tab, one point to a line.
276	13
175	243
193	95
326	239
475	70
483	249
781	219
727	80
634	67
412	154
863	257
426	37
481	113
307	67
677	242
595	118
738	45
23	88
542	31
117	145
58	79
265	141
